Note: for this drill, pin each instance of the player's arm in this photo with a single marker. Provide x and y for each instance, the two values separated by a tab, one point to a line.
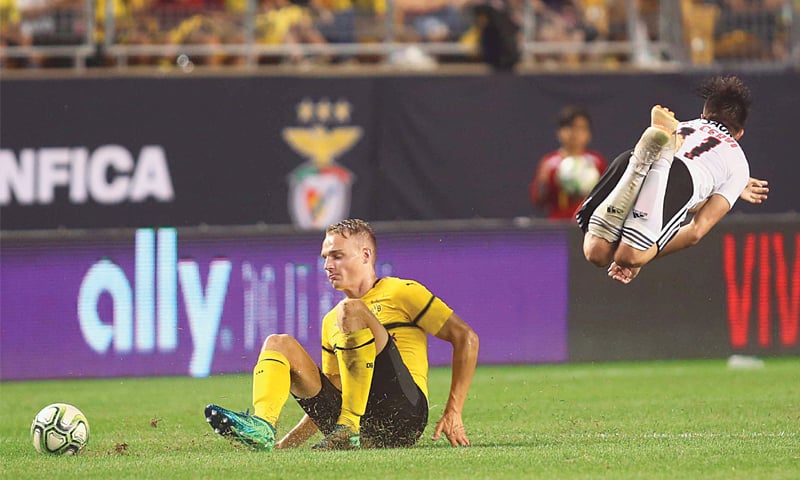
697	207
298	435
465	358
709	214
690	234
756	191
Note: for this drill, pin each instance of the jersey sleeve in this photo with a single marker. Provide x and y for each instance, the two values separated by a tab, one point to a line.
736	182
425	309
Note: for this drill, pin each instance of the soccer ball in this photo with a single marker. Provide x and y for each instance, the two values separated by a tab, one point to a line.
59	429
577	175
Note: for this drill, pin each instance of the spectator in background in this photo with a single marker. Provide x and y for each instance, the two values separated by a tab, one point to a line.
498	33
343	21
284	22
433	20
50	22
335	20
371	20
564	176
750	29
562	21
559	21
11	34
211	23
134	24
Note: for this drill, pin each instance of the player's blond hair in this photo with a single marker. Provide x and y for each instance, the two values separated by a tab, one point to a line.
354	226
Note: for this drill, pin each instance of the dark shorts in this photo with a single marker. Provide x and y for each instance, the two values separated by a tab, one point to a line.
397	410
675	203
604	186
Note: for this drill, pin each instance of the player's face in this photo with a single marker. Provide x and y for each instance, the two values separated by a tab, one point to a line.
576	136
347	260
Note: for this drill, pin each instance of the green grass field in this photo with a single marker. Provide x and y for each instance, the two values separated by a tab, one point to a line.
649	420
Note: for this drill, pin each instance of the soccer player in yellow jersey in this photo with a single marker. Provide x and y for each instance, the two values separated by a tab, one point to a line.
372	387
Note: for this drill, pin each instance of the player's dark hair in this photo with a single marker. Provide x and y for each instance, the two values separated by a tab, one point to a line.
570	113
354	226
727	101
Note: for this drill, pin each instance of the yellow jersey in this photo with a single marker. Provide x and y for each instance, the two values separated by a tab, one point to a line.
409	311
9	15
376	6
272	27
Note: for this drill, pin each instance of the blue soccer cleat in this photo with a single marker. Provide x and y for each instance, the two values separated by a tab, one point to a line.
253	431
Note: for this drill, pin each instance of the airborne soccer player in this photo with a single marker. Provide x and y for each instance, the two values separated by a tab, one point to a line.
636	211
372	388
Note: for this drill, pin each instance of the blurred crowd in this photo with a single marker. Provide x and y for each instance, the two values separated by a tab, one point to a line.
752	28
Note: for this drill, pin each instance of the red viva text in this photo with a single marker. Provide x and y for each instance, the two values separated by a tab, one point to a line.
764	253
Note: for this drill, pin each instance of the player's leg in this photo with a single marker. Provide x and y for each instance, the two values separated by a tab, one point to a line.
283	365
657	216
397	411
608	218
360	339
597	250
324	406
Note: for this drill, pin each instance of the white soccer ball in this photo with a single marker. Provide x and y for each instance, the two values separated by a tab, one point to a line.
59	429
577	175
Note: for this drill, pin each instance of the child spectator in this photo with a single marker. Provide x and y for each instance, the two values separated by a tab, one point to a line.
555	189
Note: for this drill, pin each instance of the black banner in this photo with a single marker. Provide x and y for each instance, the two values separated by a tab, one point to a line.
128	152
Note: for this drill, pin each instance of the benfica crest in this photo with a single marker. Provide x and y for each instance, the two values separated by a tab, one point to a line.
319	189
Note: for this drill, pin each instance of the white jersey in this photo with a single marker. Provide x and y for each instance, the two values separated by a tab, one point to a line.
715	161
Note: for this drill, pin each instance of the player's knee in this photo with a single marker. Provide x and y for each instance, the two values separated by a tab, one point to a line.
596	258
279	342
596	254
628	257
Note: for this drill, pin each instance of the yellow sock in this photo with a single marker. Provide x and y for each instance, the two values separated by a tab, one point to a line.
356	355
271	383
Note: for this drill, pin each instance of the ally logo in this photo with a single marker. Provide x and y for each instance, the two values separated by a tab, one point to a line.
319	189
145	317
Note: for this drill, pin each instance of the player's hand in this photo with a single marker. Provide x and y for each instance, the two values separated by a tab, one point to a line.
756	191
623	274
453	428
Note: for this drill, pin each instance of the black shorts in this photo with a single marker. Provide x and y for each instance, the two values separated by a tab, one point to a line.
397	410
675	203
604	186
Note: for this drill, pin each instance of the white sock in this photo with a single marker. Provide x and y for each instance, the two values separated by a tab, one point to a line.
607	219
